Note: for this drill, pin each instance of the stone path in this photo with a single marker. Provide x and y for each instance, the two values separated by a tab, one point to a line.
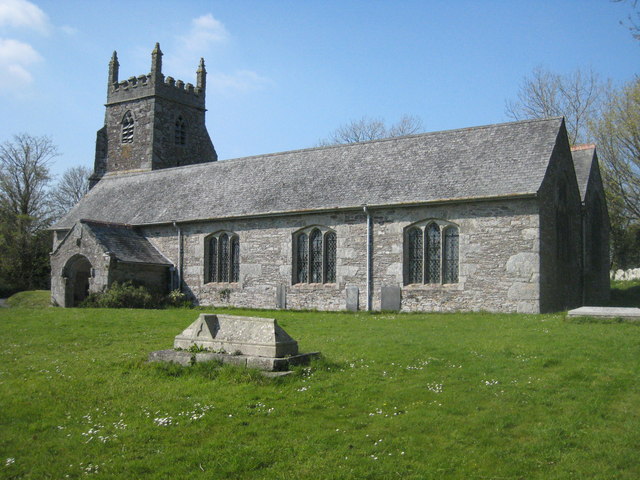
3	303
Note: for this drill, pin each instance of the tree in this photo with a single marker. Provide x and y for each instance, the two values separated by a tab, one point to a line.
633	23
576	96
617	133
73	185
366	129
25	211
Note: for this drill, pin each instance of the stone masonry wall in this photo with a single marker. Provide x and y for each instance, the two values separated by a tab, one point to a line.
560	240
137	154
596	239
198	147
78	243
499	265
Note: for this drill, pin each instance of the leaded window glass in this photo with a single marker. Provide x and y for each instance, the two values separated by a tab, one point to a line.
127	128
415	256
213	260
450	267
315	256
224	258
180	132
235	259
432	250
302	258
431	253
330	257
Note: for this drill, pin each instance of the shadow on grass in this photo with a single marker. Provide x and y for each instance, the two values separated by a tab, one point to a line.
625	296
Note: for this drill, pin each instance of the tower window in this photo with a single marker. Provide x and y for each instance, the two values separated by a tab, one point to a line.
180	132
127	128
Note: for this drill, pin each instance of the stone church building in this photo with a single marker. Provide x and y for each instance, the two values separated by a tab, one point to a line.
502	218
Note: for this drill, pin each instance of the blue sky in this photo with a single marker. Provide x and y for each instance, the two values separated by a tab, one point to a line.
283	74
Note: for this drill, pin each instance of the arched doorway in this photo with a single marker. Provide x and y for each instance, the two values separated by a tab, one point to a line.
78	273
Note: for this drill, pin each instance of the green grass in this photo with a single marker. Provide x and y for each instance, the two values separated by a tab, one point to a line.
30	299
417	396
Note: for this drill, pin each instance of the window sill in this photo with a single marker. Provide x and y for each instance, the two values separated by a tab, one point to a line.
314	286
433	286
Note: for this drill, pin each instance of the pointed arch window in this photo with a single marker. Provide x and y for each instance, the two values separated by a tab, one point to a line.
222	254
431	253
315	256
180	132
127	127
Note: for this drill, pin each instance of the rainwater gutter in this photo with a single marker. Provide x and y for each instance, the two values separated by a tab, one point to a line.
369	256
179	230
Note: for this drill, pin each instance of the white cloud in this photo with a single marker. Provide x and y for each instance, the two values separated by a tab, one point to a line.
15	57
242	81
69	30
23	14
205	31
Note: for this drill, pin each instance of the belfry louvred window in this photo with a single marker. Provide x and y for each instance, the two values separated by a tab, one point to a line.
431	253
315	256
222	252
127	128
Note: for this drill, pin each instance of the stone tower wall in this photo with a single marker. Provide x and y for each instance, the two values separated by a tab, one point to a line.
155	103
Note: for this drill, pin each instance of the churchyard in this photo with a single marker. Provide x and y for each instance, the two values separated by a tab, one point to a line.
411	396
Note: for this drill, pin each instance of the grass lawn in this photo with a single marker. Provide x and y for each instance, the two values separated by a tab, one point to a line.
429	396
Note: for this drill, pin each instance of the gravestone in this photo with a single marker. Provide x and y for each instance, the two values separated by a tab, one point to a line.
353	298
390	298
281	297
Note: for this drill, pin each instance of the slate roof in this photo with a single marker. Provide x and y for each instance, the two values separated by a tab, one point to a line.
126	243
583	157
480	162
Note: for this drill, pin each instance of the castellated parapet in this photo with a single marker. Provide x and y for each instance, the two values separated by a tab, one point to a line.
152	122
147	86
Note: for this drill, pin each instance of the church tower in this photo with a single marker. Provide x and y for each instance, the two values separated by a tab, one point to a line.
152	122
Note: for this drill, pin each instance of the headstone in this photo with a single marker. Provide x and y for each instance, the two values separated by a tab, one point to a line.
390	298
238	335
281	296
353	298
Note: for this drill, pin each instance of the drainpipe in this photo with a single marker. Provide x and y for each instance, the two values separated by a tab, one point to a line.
175	225
369	256
583	247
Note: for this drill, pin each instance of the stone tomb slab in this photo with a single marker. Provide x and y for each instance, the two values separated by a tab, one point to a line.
628	314
253	336
268	364
247	341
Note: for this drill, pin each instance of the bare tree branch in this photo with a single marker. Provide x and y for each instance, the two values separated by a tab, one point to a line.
576	96
73	185
366	129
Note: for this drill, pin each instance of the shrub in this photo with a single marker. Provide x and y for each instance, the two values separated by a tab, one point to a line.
178	299
122	295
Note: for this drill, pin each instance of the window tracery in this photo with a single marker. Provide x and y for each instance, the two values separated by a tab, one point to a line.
180	132
222	253
431	253
315	256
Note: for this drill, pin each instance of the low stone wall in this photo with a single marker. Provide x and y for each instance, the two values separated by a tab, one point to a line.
630	274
